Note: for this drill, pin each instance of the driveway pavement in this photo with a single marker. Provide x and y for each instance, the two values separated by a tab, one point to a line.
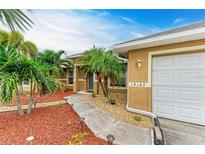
181	133
101	124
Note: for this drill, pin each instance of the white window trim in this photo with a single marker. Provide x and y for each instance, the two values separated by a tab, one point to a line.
68	78
26	85
119	87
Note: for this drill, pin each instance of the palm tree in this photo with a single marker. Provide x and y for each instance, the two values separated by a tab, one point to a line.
4	37
110	68
37	75
29	48
15	39
89	63
8	77
104	63
16	19
14	69
55	58
52	63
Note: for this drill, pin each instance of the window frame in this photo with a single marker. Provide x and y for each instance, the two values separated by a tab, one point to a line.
119	87
24	84
68	77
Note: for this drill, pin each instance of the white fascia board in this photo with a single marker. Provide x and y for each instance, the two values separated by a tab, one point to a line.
190	35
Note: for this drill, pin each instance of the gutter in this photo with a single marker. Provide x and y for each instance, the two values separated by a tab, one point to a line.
123	59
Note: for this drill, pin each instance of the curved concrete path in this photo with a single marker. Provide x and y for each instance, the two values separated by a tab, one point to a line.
101	124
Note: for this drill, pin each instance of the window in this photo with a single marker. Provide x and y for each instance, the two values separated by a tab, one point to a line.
26	82
70	76
121	83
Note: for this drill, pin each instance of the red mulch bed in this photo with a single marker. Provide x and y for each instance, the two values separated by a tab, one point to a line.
48	125
43	98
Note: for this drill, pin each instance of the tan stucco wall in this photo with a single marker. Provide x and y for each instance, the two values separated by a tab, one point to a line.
121	94
141	97
81	84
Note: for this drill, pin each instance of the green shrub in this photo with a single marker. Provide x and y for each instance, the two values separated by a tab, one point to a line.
111	99
137	117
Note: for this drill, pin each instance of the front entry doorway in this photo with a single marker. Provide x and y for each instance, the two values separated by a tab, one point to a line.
90	82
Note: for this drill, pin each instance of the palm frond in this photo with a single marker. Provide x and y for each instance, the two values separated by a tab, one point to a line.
16	19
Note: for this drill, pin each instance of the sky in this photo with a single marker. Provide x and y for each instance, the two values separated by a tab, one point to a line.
77	30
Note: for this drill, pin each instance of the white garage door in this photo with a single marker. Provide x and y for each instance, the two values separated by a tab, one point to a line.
178	87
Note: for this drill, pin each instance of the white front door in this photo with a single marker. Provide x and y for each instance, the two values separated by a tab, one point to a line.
178	87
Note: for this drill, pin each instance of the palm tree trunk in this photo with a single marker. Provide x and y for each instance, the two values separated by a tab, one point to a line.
18	104
21	88
102	88
106	85
100	82
30	98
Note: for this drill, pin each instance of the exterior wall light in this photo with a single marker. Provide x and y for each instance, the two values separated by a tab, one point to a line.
139	64
110	139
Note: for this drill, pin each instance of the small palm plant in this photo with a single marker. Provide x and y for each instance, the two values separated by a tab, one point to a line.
52	63
9	77
104	63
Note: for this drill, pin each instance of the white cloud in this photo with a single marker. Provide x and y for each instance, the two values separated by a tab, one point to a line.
128	19
77	30
178	20
104	13
135	34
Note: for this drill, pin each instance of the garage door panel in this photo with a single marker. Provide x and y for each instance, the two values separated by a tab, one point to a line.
188	61
189	113
163	63
178	87
163	78
163	93
190	78
190	96
164	110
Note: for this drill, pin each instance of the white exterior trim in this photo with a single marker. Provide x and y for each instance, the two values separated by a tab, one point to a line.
183	36
168	51
81	80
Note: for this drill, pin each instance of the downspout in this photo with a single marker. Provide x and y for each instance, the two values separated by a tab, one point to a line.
150	114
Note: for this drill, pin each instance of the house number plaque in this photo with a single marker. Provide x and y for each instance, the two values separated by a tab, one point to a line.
137	84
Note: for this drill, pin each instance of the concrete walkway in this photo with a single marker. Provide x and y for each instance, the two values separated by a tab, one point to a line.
38	105
101	124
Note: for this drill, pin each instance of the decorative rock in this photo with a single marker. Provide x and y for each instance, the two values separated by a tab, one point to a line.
30	138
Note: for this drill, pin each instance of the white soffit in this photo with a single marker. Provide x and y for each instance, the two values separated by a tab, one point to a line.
189	35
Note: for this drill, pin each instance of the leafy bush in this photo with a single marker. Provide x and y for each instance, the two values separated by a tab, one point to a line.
137	117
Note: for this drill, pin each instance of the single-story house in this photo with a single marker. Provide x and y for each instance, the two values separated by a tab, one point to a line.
79	81
166	73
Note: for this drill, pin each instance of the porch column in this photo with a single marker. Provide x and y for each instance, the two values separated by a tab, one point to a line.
95	85
75	78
